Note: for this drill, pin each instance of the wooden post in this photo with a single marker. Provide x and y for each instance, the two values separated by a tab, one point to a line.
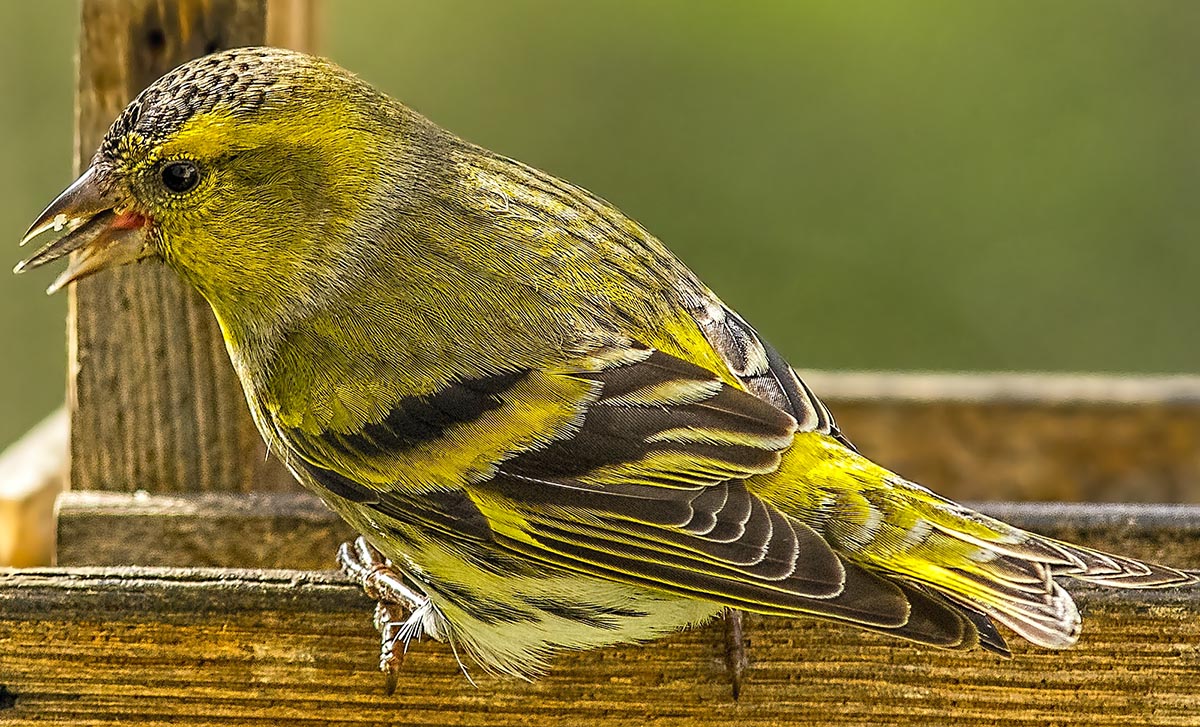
294	24
154	402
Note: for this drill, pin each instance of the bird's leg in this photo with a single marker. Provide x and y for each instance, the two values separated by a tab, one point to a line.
398	609
735	650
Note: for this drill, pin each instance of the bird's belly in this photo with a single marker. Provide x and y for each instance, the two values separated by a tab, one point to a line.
512	614
513	622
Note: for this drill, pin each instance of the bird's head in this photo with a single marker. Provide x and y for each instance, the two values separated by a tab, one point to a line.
246	171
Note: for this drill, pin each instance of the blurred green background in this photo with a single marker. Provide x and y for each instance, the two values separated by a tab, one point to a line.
977	184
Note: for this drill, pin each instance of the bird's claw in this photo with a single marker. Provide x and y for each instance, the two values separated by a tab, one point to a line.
397	607
390	620
736	659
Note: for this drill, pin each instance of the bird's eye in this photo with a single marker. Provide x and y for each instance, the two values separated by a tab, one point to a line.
180	177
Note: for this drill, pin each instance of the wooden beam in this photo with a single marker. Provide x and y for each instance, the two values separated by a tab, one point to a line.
159	646
987	436
154	402
294	530
252	530
1027	436
1020	436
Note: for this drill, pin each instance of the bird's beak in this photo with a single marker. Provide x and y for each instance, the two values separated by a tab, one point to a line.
99	231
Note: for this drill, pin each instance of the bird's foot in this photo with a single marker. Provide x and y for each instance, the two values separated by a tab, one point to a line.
736	660
399	611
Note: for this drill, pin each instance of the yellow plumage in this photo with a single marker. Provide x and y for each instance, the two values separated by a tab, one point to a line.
558	436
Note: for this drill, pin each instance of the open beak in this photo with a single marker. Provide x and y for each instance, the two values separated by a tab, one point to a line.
98	231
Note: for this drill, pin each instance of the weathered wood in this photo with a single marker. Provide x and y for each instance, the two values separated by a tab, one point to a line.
1034	437
1027	437
1024	437
32	473
252	530
154	402
295	24
156	647
1052	429
294	530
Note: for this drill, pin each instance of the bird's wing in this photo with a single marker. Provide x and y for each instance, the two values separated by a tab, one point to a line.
759	367
988	568
632	466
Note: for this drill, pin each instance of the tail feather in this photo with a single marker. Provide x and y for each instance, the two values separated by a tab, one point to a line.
989	637
997	537
993	572
1052	623
1118	571
1017	588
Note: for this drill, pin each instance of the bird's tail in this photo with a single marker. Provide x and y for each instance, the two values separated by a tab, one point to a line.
987	566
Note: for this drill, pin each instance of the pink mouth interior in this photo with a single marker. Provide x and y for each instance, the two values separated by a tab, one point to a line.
129	221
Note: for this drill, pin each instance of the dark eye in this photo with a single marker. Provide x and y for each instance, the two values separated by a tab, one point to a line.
180	177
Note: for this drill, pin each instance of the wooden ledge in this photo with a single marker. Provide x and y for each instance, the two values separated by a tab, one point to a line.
1038	389
968	436
159	646
294	530
155	646
999	436
1026	436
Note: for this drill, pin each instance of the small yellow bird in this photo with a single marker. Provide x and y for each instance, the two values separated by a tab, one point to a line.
550	433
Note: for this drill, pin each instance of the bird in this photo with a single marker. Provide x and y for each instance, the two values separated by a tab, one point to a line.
550	434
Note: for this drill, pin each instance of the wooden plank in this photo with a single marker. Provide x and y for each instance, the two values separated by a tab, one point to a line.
154	402
1027	436
253	530
981	435
1024	437
294	530
32	473
1044	389
158	646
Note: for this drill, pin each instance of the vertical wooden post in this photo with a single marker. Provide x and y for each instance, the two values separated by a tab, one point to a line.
154	402
294	24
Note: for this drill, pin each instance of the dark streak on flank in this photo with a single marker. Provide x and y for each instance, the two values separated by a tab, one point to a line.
8	699
589	614
478	606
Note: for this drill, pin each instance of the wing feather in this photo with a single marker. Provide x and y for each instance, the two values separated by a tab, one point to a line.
640	476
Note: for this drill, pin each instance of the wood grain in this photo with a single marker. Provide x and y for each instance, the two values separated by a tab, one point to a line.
251	530
154	401
1027	436
987	436
159	646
